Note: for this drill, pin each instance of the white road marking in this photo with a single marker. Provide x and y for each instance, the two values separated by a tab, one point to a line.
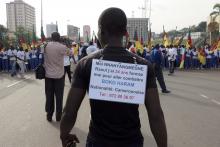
214	101
18	82
204	96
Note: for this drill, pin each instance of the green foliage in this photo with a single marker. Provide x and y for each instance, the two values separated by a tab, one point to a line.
3	36
217	6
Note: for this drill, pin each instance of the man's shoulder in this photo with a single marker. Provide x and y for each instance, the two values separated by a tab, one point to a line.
140	60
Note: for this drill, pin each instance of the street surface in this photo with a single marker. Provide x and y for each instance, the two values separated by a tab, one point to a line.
192	112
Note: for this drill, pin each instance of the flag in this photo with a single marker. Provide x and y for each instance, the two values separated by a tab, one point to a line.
215	46
34	38
149	40
79	40
201	56
180	40
142	41
173	40
166	41
183	58
56	27
42	35
22	41
135	35
139	47
28	38
189	40
176	42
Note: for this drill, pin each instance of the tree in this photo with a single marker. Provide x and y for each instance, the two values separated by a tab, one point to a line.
3	32
3	36
216	11
201	27
213	26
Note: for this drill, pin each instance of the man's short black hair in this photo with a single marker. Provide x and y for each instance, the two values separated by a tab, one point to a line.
114	21
55	36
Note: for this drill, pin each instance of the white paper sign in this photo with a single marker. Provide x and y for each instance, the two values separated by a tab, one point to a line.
118	82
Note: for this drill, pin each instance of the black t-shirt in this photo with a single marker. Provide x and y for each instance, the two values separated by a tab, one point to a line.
112	122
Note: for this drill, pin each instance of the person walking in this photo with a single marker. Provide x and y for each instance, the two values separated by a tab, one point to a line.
113	124
67	64
20	61
156	58
54	82
5	64
12	53
172	53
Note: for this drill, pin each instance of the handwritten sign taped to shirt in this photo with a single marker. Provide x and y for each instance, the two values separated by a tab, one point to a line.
118	82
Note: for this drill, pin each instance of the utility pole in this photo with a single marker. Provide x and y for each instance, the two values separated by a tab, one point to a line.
41	13
144	9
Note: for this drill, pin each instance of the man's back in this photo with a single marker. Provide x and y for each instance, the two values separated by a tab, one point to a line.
112	121
156	56
172	53
54	64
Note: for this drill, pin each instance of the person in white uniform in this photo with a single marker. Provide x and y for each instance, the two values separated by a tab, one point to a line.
20	61
172	53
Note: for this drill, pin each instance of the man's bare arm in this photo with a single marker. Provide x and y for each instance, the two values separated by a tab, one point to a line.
156	117
74	100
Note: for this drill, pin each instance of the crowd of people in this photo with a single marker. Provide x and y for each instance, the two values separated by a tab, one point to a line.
182	57
14	60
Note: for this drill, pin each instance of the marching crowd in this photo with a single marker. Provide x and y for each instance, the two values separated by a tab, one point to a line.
191	58
13	59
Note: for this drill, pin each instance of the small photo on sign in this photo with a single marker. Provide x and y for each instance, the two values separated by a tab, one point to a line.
118	82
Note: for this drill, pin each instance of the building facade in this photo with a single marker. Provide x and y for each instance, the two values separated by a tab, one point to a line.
20	14
140	25
86	33
50	29
73	32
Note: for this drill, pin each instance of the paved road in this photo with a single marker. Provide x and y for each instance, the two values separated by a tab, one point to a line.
192	112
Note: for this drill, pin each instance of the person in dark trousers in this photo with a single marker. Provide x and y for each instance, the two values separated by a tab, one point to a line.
67	63
54	79
123	128
156	58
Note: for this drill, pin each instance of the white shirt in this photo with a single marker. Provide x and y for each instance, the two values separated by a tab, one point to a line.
12	54
172	53
27	55
195	54
5	55
66	60
217	53
188	53
91	49
20	55
33	54
208	54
